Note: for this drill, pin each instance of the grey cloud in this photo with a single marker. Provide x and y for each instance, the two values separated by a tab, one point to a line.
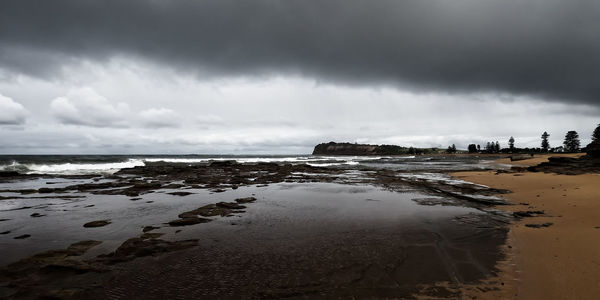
11	112
545	48
84	106
159	118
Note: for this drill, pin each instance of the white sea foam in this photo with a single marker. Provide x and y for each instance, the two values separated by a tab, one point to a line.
72	168
111	167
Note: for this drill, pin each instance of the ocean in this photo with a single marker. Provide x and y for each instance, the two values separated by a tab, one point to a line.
108	164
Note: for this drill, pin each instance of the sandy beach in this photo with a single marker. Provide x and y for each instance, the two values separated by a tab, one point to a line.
560	261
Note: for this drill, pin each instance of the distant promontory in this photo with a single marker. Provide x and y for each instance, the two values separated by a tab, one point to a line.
333	148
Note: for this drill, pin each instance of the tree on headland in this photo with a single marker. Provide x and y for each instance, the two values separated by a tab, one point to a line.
511	143
545	144
571	142
472	148
451	149
596	134
497	147
478	148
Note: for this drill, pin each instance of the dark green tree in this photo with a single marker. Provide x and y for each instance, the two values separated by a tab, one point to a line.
511	143
596	134
451	149
571	142
472	148
497	147
545	144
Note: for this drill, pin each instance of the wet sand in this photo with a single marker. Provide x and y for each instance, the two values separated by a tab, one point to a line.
560	261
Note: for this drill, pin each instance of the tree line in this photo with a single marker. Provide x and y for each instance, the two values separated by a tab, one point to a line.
571	143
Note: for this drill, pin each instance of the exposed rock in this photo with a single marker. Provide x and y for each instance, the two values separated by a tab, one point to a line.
245	200
139	247
569	165
180	193
151	235
20	237
45	190
528	213
539	225
98	223
36	215
188	221
149	228
230	205
9	174
209	210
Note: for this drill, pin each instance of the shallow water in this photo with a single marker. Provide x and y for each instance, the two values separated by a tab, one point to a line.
317	206
348	230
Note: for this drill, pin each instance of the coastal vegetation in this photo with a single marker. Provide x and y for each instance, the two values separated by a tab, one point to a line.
571	144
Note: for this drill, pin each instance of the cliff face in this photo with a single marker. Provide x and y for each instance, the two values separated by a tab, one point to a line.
332	148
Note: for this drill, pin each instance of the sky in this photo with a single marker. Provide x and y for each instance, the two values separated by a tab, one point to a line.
278	77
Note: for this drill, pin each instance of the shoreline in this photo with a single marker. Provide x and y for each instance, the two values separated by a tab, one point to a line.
560	261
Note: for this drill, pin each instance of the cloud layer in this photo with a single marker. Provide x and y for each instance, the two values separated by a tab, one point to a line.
543	48
84	106
11	112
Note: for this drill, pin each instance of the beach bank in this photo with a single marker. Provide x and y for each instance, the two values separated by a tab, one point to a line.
553	251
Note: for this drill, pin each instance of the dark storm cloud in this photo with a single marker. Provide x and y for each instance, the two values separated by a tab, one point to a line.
546	48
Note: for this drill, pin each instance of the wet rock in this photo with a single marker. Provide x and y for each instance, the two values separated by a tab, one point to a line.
230	205
528	213
98	223
135	199
180	193
435	201
5	232
9	174
20	237
36	215
91	205
539	225
150	235
188	221
209	210
173	186
138	247
45	190
149	228
245	200
569	165
49	266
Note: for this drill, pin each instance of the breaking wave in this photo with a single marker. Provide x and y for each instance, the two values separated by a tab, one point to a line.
72	168
65	167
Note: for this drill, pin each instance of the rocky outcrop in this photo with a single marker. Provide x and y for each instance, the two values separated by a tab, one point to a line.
333	148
